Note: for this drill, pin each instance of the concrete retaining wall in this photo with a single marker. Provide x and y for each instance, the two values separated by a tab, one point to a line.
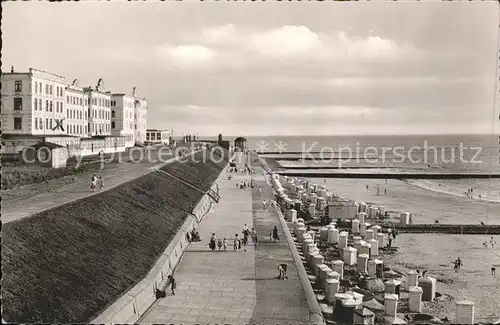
131	306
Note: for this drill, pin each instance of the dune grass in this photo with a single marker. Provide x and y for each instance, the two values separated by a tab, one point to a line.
68	264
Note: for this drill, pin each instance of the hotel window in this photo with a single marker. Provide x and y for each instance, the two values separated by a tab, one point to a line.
36	87
112	113
67	99
36	123
86	103
18	123
67	113
40	121
147	136
50	123
40	87
18	85
36	104
18	104
40	104
51	89
86	117
86	129
50	106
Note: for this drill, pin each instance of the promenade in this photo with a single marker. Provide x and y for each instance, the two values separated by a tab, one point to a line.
234	287
23	202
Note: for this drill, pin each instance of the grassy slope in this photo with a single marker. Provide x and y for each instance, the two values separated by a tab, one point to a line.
69	264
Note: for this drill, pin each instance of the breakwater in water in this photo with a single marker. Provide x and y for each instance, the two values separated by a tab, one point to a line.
347	269
100	247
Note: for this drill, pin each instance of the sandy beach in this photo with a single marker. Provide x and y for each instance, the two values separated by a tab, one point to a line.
426	206
489	190
474	282
436	252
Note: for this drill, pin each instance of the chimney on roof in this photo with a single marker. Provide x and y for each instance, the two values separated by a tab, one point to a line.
12	69
134	92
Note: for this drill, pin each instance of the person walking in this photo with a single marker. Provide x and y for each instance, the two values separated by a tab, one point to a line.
275	234
219	244
254	236
236	243
244	242
100	183
173	284
224	244
213	240
492	242
493	270
246	232
93	183
260	191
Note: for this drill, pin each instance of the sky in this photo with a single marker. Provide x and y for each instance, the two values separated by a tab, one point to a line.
274	68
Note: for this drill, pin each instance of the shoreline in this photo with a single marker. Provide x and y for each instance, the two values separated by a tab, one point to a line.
449	191
435	253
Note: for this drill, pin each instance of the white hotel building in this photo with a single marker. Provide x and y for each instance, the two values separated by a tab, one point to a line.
129	117
32	108
38	106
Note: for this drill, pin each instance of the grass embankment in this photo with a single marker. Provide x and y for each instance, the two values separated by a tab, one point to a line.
21	175
68	264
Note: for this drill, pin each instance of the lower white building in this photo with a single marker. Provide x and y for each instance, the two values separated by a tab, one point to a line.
155	136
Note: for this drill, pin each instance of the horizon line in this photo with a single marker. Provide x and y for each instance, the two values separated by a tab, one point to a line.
352	135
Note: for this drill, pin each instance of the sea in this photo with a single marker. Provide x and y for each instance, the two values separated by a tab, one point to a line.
458	153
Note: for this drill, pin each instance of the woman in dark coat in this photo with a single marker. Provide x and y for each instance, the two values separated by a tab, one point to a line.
275	234
213	240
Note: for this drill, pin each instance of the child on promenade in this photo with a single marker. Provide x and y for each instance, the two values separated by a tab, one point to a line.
219	244
236	243
224	244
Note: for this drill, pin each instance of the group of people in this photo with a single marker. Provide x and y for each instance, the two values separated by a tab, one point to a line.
457	264
267	204
470	194
492	242
238	242
194	236
245	184
96	183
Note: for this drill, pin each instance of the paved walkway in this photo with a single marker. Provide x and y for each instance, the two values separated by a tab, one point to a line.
280	302
234	287
15	208
215	287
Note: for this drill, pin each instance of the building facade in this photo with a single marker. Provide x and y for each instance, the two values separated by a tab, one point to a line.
33	103
38	106
122	117
99	110
76	110
141	117
129	117
155	136
33	106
